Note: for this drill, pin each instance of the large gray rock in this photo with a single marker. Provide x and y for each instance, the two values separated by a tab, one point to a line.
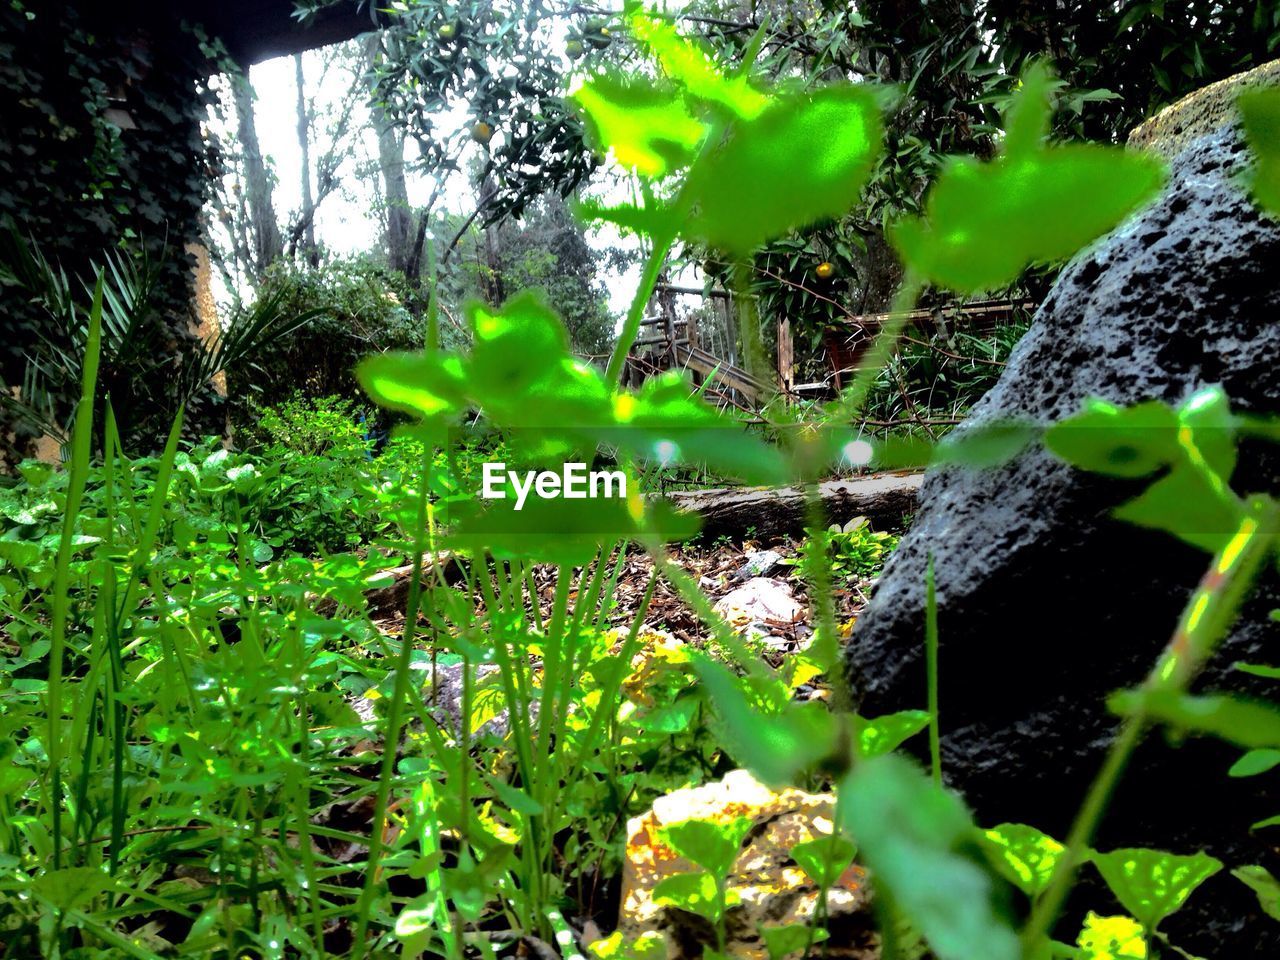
1047	604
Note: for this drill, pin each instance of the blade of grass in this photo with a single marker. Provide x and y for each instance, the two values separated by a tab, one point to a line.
81	449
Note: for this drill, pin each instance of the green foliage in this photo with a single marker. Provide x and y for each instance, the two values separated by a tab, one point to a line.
356	308
1261	882
1260	117
1024	856
1192	500
853	550
814	149
76	185
1032	204
1152	884
178	690
824	859
916	839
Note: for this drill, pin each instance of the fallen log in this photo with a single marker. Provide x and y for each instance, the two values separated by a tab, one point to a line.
883	499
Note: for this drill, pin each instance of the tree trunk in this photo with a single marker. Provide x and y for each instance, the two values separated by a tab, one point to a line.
265	232
399	219
304	144
883	499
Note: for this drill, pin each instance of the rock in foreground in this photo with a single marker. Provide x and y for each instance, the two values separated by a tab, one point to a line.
1047	604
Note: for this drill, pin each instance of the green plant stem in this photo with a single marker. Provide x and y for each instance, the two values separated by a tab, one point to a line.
855	395
1205	621
635	313
423	536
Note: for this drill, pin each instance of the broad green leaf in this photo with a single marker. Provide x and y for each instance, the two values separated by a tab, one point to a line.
793	938
694	892
1255	762
664	421
984	223
1260	117
418	383
775	747
650	945
514	797
648	128
804	159
1192	501
711	844
71	888
1023	855
1111	938
649	221
516	348
1027	121
689	65
1190	505
1260	881
885	734
1246	723
1117	441
1152	884
824	859
914	838
989	445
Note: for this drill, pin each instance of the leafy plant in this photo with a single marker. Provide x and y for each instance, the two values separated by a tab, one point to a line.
853	549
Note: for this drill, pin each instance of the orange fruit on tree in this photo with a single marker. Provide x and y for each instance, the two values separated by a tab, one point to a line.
824	270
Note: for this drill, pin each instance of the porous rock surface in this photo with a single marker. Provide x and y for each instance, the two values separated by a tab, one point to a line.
1047	604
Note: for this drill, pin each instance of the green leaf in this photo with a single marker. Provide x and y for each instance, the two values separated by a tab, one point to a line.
695	892
1255	762
416	383
1027	121
775	748
648	128
516	348
690	65
804	159
666	422
1116	441
1246	723
1197	441
1111	938
515	798
914	837
1260	117
792	938
71	888
1260	881
1152	884
885	734
988	445
1023	855
985	223
711	844
1258	669
824	859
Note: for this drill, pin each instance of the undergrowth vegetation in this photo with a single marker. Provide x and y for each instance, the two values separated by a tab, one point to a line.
214	748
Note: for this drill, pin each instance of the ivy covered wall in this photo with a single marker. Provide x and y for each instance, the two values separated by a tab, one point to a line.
100	149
